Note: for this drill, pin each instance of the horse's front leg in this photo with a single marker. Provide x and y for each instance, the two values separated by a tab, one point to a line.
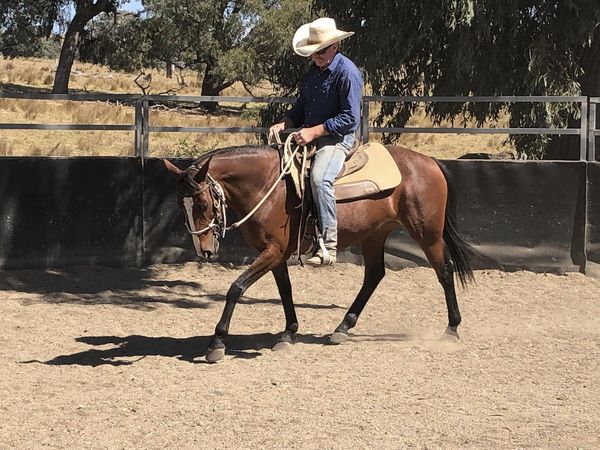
282	278
266	260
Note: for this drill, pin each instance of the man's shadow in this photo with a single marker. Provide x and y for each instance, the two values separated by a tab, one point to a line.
127	350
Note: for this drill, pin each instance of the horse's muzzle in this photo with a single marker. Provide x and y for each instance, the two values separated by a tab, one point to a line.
209	253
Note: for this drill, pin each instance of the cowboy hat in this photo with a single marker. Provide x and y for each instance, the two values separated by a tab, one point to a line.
314	36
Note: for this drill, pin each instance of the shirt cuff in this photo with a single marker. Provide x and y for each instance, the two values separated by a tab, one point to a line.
331	130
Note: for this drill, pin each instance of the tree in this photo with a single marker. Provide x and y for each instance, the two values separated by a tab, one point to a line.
479	47
271	40
226	41
121	44
85	10
25	29
24	21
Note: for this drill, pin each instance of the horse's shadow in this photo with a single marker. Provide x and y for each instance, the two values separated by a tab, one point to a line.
129	349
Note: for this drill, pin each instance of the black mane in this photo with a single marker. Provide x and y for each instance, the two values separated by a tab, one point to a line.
188	185
227	151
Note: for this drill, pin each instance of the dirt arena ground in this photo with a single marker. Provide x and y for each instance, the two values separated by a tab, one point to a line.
94	357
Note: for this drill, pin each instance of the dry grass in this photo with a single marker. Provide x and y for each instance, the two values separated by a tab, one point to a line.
15	74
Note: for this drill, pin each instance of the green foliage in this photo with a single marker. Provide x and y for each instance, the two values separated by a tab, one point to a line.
250	113
272	41
228	41
24	23
201	34
187	149
26	26
122	44
477	47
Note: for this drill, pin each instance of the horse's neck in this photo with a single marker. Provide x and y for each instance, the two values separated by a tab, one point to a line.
245	176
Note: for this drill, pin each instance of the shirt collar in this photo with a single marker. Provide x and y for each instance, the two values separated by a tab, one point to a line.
335	62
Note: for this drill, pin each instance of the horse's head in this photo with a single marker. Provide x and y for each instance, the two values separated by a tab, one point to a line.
201	199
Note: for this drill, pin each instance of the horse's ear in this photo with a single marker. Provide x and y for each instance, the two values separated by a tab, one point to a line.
201	174
173	168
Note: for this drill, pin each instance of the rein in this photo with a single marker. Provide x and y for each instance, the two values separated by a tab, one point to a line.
218	195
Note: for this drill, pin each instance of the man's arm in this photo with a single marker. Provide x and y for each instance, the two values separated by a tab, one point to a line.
292	119
348	118
307	135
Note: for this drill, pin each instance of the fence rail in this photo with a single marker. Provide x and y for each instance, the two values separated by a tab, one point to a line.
142	127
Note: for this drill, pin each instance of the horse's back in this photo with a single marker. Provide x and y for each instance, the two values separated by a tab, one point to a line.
416	168
412	163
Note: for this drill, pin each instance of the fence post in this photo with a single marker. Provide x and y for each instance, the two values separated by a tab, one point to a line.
145	128
591	131
583	131
138	128
365	122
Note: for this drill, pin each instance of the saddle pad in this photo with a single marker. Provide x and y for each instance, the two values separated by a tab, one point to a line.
380	173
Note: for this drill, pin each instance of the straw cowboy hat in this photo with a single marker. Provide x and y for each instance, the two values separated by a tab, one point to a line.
314	36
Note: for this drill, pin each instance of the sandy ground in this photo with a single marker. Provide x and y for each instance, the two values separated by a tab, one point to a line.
95	357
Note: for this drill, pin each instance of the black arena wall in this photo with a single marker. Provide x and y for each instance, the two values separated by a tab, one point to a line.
540	216
63	211
525	215
593	219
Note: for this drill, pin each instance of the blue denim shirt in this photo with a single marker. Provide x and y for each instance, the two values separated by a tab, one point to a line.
330	97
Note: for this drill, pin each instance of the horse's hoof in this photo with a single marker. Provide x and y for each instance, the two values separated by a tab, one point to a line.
338	338
450	335
282	346
215	354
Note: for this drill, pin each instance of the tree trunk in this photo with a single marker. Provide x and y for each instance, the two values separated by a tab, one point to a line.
85	11
211	86
169	70
67	56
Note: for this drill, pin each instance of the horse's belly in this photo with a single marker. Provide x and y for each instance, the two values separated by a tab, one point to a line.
360	219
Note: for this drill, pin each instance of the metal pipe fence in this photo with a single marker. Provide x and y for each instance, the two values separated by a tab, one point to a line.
582	131
142	127
593	128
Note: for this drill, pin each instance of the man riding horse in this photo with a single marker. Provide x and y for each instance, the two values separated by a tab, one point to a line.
327	111
422	201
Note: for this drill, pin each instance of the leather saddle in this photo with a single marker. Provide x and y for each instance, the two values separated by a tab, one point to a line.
369	169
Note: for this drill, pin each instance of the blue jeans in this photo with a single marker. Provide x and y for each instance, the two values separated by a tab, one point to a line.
326	165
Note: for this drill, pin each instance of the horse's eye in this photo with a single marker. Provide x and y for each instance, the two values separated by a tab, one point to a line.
203	204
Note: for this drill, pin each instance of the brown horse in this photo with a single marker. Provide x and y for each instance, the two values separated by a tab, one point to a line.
239	177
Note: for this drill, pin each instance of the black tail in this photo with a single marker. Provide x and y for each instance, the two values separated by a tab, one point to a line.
461	252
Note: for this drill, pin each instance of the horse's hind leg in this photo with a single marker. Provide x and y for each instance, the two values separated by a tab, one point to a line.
282	278
373	253
442	264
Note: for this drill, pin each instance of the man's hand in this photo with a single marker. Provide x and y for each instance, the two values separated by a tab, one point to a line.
276	129
305	136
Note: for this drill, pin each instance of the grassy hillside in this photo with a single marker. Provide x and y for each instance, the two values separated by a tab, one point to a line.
19	75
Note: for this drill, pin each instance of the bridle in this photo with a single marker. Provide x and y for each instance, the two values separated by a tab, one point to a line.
219	206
